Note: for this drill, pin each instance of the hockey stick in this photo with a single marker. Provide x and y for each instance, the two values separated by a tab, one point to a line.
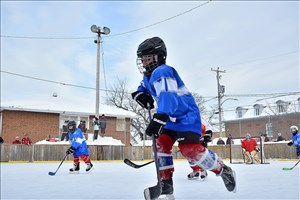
136	166
154	191
286	168
53	173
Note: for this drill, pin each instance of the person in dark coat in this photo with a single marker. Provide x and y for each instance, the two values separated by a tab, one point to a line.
102	124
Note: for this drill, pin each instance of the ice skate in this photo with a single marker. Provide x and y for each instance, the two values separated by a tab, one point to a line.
75	169
89	167
193	175
167	190
228	176
203	175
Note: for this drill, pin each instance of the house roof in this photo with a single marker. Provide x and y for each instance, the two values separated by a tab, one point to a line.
269	107
104	109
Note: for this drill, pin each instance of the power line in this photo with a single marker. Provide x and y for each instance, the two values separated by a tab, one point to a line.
118	34
92	88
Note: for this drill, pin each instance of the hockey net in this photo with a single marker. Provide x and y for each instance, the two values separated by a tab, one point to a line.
236	151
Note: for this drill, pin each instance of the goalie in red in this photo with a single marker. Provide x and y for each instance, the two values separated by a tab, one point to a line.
250	150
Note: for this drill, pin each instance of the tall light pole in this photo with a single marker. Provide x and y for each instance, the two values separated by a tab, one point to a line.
105	31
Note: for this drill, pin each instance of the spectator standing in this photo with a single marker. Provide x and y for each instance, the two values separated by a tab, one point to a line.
96	128
250	150
17	140
266	138
26	140
82	127
229	139
280	138
220	142
103	124
65	132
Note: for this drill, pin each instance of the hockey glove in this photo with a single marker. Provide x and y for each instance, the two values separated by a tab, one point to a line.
203	143
156	125
290	143
143	99
207	136
70	150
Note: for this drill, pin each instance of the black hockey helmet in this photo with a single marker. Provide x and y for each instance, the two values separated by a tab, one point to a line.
156	49
71	126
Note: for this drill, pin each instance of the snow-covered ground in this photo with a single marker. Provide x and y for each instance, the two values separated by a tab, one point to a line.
115	180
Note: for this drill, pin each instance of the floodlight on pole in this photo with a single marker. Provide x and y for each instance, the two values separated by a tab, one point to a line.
105	31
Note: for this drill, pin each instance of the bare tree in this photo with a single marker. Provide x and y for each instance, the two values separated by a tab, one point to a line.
119	96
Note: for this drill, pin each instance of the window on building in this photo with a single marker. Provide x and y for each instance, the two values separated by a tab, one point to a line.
120	126
281	106
258	108
240	112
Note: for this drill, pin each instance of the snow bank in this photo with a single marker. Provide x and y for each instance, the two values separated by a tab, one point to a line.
99	141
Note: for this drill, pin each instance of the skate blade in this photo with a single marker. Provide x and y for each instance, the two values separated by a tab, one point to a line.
166	197
90	170
193	178
75	172
234	190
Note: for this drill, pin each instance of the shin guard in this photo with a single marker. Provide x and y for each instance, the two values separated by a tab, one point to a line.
201	156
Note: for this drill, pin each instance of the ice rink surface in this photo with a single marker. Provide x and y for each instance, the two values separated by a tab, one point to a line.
116	180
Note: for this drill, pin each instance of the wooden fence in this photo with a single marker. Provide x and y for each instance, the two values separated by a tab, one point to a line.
31	153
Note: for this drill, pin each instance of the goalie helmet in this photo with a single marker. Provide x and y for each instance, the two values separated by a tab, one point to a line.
71	126
150	54
248	136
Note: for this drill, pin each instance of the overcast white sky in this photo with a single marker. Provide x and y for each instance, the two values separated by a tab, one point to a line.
257	43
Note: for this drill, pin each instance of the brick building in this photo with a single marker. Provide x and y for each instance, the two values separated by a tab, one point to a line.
40	123
271	116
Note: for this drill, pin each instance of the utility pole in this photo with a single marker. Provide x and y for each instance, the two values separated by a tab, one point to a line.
221	91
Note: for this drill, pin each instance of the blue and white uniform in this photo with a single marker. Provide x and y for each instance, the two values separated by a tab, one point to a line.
78	142
173	99
296	141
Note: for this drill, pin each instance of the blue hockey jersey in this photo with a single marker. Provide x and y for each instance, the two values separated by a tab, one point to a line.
173	99
78	142
296	141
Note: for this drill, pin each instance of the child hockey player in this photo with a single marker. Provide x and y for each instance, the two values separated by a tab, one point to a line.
177	116
250	150
198	171
78	148
295	139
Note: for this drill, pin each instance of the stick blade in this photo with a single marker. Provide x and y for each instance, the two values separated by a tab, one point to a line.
51	173
152	192
286	168
128	162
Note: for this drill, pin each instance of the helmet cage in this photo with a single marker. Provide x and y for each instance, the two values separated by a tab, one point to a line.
147	63
72	126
